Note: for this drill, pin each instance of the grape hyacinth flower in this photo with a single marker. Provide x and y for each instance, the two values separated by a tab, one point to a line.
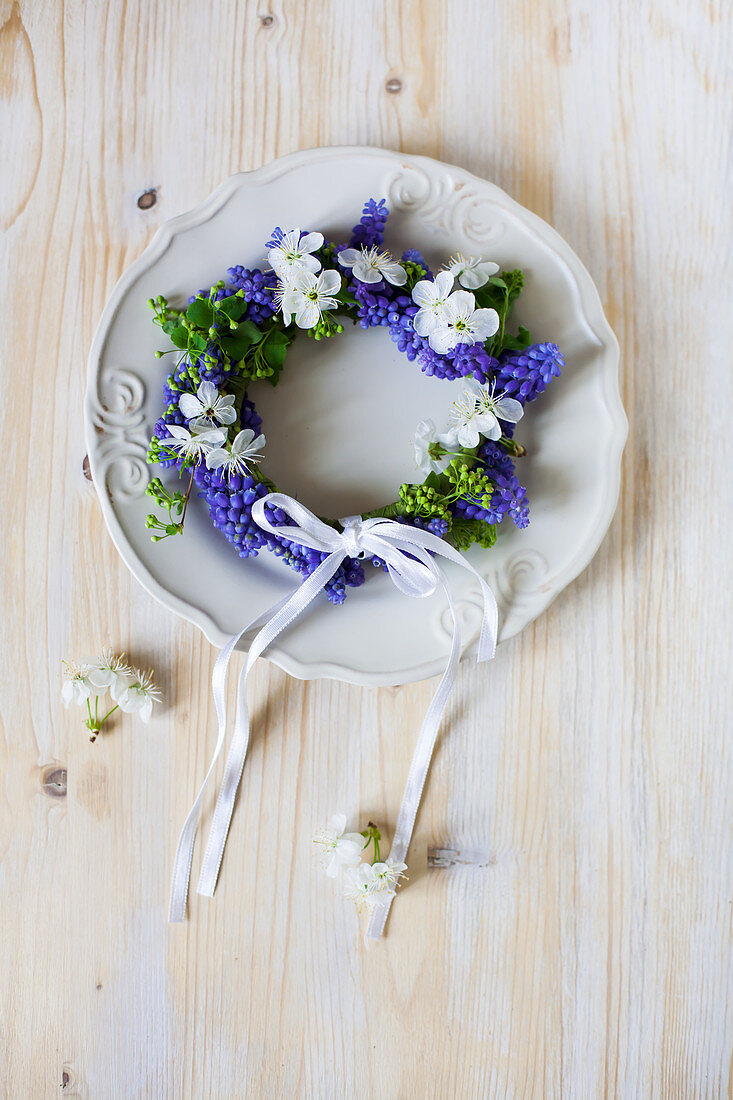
526	374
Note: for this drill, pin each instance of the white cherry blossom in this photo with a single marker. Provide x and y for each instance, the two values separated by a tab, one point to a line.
193	444
307	296
78	685
471	271
244	450
338	848
138	695
294	253
431	297
109	670
370	265
431	447
207	405
477	413
461	323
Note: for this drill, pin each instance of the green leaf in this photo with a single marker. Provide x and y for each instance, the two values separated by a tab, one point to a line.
233	307
278	337
275	354
495	280
200	313
464	532
251	331
197	341
236	346
179	336
519	342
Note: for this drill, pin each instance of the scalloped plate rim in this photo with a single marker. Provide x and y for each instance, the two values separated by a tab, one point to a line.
593	314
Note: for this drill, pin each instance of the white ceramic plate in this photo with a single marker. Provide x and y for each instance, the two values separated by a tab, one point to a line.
339	424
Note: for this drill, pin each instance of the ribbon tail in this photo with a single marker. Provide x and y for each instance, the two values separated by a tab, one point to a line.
292	607
420	761
184	851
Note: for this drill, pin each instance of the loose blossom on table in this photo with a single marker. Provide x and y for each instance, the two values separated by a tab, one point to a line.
367	884
133	690
454	325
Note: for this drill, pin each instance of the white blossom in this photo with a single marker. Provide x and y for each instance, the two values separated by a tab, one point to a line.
137	695
307	296
193	444
338	848
433	452
471	271
369	265
78	685
207	405
431	297
461	323
244	450
477	412
372	884
294	253
109	670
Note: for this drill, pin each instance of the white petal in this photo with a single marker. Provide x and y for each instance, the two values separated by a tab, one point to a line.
303	280
207	393
348	257
424	292
308	314
485	322
216	458
366	272
395	274
337	822
240	443
509	409
178	432
443	283
226	414
311	242
190	406
443	339
471	279
146	710
462	302
329	282
467	435
488	425
309	263
425	321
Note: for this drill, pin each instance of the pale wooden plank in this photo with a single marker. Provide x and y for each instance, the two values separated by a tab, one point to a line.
586	950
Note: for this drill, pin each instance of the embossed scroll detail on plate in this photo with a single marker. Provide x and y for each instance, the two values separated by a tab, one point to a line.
118	417
446	202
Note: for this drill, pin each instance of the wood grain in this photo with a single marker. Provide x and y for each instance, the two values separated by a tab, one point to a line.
581	947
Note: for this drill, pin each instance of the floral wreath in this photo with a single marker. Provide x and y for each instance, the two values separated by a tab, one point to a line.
453	323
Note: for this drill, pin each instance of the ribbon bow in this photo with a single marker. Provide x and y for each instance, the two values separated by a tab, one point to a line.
409	554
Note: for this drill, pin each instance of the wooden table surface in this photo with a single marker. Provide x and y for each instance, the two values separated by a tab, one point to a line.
579	944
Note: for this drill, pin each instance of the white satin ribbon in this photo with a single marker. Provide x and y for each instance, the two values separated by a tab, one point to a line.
408	554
